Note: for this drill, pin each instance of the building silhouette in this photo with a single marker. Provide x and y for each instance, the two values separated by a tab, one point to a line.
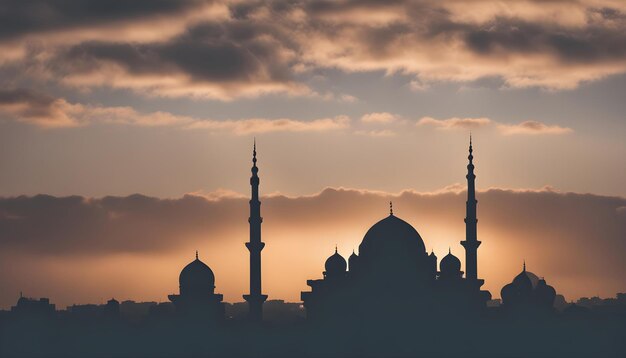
197	297
392	265
27	306
528	294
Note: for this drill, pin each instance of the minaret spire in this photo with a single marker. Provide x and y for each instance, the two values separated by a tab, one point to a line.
471	242
254	153
255	245
391	208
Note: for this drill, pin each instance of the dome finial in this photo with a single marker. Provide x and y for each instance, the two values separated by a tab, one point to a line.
524	267
471	150
196	254
449	250
335	248
390	208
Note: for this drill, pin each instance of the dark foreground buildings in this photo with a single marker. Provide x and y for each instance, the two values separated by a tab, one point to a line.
391	299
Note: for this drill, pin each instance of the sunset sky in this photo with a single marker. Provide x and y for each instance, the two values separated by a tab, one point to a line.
126	130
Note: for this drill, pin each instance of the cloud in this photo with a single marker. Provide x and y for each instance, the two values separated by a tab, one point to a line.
346	98
48	112
378	117
377	133
38	109
230	49
526	127
529	44
48	25
41	16
532	127
43	238
212	60
261	125
218	194
455	123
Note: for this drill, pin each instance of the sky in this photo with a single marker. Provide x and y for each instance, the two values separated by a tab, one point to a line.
126	132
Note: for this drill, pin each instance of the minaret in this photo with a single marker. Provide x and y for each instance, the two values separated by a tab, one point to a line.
255	298
471	242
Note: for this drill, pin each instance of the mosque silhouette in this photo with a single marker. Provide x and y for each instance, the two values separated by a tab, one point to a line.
389	299
392	265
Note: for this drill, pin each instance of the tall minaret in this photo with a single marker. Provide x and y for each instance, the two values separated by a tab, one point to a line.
255	298
471	242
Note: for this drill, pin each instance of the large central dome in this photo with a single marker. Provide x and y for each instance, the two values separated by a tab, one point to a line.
196	278
391	234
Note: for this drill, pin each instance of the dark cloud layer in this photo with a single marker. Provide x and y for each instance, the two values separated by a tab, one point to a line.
37	108
584	45
78	225
21	17
210	52
75	225
257	47
210	59
34	104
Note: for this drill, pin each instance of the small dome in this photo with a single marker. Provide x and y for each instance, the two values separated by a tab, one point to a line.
353	261
520	289
335	264
450	264
545	293
196	274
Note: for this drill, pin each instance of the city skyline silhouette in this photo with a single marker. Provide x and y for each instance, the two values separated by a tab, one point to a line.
510	264
390	289
457	193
